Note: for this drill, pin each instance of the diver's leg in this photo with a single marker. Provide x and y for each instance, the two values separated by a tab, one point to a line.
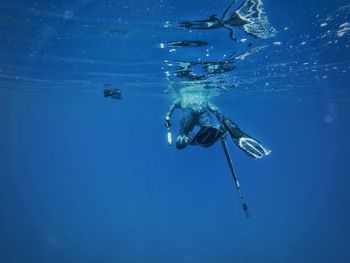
186	127
209	132
233	129
205	119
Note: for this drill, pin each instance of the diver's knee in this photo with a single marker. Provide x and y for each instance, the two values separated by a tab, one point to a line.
180	146
181	142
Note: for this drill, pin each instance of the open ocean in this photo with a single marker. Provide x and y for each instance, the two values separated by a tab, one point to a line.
86	178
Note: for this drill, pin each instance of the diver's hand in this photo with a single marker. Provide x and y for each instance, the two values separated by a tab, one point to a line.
167	121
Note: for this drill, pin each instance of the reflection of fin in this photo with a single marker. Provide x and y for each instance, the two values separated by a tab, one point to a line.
250	15
207	136
246	143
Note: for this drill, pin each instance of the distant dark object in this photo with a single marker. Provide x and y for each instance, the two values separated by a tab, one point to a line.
174	44
117	31
115	94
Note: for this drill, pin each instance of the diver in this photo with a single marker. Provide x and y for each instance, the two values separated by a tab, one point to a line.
198	111
250	16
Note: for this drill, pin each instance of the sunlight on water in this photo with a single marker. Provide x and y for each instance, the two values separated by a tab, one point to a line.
252	59
284	65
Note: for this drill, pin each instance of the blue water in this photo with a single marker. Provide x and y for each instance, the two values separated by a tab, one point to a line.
85	178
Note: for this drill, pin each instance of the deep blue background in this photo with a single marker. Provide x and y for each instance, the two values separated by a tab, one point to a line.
87	179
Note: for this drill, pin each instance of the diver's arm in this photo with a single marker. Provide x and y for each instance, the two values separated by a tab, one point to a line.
173	106
216	111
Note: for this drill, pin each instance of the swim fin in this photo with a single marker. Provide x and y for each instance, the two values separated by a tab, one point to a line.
207	136
252	147
246	143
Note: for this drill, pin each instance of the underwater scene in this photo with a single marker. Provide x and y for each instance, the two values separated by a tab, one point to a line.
145	131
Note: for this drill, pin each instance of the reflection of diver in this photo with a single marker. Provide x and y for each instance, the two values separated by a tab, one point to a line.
199	70
197	111
113	93
250	16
